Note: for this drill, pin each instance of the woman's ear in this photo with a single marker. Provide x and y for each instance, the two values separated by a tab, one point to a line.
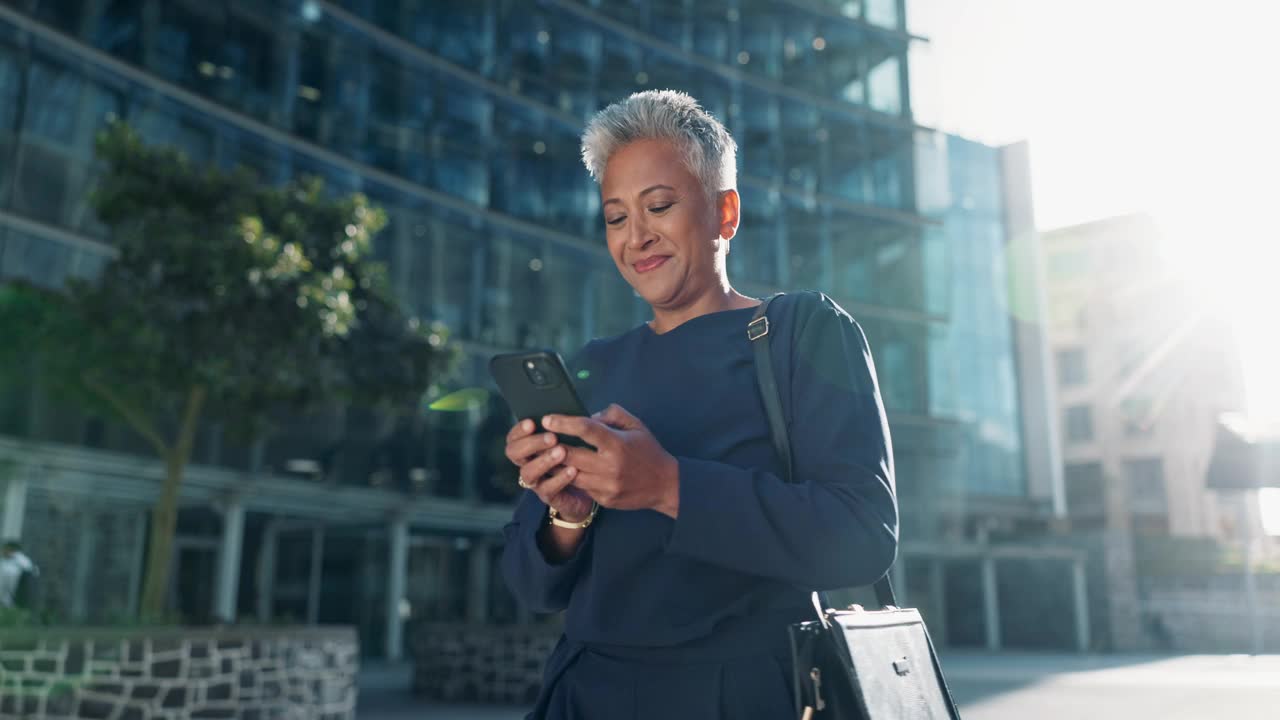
727	212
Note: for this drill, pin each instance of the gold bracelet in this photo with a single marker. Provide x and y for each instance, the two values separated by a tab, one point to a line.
555	518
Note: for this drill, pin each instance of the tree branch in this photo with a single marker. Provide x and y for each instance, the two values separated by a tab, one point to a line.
131	415
190	420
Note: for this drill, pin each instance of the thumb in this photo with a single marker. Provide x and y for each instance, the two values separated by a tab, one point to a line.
616	416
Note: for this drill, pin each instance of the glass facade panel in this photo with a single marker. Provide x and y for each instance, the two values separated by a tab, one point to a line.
754	251
757	131
973	373
901	352
884	81
118	29
808	245
876	262
883	13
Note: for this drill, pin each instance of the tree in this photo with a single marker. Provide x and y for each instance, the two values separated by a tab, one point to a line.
229	299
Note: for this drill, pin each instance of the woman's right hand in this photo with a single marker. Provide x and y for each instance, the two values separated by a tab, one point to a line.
539	458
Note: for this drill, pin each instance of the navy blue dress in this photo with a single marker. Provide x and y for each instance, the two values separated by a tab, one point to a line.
686	618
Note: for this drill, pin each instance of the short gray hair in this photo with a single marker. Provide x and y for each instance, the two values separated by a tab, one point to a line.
707	147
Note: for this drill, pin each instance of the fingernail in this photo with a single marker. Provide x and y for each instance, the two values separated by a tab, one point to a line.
549	439
571	471
557	453
547	421
527	425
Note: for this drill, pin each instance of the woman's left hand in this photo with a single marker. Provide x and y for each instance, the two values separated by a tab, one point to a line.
628	470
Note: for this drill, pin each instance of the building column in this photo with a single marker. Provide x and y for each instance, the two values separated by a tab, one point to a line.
82	568
397	569
898	576
1080	592
265	581
991	602
317	566
136	568
938	600
478	583
15	507
471	453
224	603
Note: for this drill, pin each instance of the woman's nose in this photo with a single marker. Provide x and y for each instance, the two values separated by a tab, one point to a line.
640	236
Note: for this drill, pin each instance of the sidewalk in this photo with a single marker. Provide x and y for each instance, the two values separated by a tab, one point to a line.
1003	686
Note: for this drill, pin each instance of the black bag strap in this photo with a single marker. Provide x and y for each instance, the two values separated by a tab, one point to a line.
758	333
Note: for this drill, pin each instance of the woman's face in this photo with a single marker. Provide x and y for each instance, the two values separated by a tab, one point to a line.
664	233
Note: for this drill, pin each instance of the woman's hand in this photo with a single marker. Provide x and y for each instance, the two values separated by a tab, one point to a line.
540	459
628	470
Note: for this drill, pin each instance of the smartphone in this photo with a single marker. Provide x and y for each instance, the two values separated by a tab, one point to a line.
536	383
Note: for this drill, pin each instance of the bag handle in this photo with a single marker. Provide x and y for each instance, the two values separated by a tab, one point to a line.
758	333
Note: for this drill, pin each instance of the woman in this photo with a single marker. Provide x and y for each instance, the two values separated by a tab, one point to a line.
676	546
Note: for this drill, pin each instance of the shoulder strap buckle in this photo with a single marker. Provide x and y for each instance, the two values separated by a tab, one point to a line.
758	328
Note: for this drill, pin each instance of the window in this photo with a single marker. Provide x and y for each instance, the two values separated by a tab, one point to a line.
1139	420
1071	367
883	13
1079	424
1147	493
885	83
1084	487
119	29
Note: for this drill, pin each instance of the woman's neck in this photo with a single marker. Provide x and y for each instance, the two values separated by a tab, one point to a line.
665	319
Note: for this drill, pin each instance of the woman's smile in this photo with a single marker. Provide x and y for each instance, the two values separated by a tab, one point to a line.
650	263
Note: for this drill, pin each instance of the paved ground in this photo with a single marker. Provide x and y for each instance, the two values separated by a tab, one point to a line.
1019	687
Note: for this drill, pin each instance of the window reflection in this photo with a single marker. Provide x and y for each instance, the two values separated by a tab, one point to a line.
711	28
753	252
900	352
526	55
884	80
806	246
883	13
803	143
877	262
119	29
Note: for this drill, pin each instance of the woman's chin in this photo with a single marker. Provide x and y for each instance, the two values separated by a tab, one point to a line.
657	292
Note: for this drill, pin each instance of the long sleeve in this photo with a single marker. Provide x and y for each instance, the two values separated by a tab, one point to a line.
538	584
837	525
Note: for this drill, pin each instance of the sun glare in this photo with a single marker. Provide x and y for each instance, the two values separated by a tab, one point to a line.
1269	500
1227	252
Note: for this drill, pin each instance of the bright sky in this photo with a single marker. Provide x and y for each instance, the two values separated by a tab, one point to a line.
1164	106
1120	99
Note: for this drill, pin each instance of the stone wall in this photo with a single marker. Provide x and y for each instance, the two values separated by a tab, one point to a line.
178	673
1210	614
478	663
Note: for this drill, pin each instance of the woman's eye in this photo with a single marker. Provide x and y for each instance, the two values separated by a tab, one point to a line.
661	208
616	221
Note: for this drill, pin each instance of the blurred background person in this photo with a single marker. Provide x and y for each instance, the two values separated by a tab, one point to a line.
16	575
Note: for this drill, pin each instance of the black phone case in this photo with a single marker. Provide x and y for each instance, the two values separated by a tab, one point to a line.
531	401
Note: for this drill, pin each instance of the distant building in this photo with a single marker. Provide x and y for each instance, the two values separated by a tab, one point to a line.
1145	368
461	119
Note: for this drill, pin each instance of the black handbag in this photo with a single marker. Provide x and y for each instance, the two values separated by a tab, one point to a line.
853	664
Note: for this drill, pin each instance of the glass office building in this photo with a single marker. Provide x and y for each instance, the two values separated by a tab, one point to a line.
461	119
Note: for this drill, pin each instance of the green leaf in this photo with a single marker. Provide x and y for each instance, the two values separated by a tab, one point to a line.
464	399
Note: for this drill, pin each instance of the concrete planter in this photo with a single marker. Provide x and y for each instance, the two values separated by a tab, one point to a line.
178	673
477	663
